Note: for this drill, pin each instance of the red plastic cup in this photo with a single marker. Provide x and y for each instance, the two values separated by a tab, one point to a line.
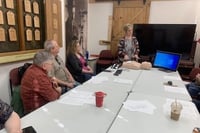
99	98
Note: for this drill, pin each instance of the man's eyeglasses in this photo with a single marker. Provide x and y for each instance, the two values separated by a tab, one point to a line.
49	63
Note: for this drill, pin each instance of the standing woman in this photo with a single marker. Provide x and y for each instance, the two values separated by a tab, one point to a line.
77	64
128	48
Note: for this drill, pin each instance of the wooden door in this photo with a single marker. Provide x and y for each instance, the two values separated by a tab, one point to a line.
127	12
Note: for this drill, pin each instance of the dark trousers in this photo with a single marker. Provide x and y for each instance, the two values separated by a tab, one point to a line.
65	88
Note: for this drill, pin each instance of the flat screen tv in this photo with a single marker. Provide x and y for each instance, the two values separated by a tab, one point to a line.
177	38
166	60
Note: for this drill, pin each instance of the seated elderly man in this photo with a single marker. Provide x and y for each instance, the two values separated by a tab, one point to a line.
37	88
59	72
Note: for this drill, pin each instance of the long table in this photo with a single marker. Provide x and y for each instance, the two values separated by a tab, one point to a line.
70	114
154	83
159	121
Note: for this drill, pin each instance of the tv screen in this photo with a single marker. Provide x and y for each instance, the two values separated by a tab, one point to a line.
167	60
177	38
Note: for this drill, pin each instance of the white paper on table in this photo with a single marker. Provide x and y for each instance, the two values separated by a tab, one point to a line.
188	112
124	81
140	106
98	79
75	97
172	78
174	89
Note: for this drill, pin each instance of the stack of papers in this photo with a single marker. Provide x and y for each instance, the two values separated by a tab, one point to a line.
75	97
140	106
172	78
172	89
123	81
98	79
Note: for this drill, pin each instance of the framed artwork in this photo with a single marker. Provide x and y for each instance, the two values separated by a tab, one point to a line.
24	28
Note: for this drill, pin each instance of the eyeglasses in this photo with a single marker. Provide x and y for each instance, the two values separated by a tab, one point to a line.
49	63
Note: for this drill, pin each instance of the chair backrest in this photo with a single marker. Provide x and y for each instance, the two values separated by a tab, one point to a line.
106	55
22	69
16	74
193	49
193	73
16	102
14	78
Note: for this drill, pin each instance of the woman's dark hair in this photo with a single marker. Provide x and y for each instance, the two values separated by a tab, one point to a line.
73	44
74	38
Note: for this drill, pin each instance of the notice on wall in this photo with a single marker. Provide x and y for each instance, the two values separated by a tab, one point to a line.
37	35
0	3
27	5
12	34
55	24
1	17
28	21
10	18
29	35
2	34
35	7
10	4
36	21
55	9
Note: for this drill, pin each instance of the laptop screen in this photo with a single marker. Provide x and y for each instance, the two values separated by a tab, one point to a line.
167	60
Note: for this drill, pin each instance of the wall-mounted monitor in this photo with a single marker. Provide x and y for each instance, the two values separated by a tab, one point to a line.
166	60
177	38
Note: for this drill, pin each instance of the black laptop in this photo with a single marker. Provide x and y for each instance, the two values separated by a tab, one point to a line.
166	60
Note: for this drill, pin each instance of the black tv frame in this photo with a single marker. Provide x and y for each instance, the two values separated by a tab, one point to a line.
176	38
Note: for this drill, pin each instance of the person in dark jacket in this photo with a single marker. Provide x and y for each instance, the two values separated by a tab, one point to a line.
77	64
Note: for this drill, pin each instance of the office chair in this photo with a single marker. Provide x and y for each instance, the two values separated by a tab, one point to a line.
14	79
192	75
186	65
15	76
105	60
